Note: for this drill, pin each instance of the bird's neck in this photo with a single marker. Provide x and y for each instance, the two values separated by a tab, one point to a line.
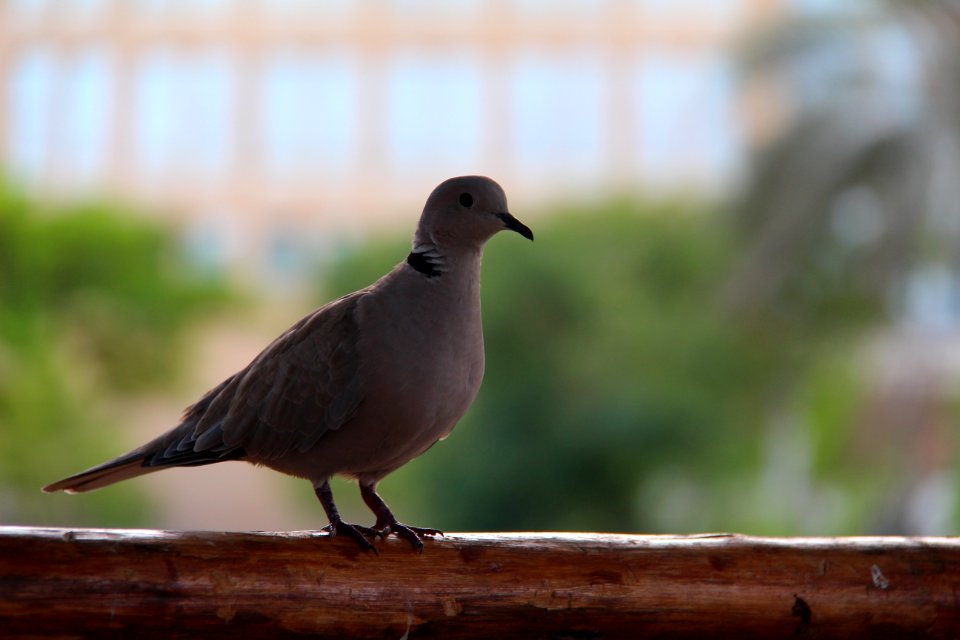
427	259
435	262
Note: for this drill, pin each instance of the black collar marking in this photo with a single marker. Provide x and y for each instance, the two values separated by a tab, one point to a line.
424	264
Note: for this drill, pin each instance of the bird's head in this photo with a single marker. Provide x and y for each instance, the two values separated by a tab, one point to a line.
467	211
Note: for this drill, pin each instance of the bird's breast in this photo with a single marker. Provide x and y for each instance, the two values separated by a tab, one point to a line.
423	355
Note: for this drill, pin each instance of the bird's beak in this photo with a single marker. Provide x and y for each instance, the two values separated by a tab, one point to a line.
513	224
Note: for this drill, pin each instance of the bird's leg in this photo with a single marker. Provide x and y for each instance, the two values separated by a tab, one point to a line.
337	525
387	523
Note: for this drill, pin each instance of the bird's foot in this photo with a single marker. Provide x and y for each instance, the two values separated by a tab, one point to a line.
355	532
408	533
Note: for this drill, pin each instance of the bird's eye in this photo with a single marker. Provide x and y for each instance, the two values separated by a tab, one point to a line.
466	200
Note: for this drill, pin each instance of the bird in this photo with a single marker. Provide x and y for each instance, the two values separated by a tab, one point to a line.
361	385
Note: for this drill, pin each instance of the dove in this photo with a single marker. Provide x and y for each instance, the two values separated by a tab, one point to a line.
360	386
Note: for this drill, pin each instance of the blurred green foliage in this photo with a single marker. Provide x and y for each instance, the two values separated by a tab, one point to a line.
93	304
622	392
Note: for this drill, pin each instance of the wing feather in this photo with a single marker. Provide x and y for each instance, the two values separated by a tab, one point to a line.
283	400
302	385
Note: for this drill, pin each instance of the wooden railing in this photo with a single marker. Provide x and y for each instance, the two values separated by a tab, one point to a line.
140	584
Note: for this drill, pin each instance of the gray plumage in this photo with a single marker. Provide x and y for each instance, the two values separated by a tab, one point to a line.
360	386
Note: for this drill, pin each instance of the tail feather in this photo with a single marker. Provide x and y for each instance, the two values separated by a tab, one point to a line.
122	468
176	448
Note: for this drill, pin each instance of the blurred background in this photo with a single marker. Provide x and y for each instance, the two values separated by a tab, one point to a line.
741	313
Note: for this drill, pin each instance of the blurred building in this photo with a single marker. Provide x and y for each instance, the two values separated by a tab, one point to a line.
270	127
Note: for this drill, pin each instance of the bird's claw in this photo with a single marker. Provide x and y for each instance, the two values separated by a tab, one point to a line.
360	534
357	533
408	533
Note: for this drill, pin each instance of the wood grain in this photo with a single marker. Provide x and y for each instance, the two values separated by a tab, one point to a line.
146	584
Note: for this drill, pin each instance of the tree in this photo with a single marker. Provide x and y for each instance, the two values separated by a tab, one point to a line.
93	303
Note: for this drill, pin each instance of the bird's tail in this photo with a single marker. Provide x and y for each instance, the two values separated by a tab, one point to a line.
126	466
175	448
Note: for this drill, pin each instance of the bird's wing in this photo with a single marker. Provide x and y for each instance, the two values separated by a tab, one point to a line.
301	386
